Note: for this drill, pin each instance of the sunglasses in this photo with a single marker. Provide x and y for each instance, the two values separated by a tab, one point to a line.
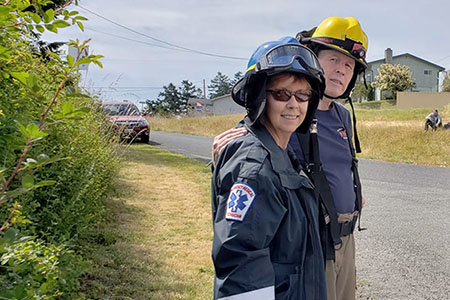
284	95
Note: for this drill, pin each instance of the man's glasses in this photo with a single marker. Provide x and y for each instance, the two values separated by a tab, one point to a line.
284	95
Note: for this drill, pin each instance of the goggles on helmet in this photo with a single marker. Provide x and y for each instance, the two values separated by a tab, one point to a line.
355	49
288	57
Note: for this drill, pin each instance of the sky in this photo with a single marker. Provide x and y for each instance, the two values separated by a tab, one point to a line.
138	38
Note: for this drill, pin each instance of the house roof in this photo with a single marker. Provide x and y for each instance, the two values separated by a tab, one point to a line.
221	97
410	55
203	101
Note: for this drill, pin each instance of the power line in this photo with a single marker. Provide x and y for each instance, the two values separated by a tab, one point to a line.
159	40
443	58
127	87
133	40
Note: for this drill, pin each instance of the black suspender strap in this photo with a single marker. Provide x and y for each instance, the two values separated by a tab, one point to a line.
321	183
356	180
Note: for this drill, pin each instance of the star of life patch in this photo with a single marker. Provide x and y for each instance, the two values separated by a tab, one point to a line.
239	201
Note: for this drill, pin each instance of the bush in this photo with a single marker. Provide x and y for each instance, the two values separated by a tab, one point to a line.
33	270
57	160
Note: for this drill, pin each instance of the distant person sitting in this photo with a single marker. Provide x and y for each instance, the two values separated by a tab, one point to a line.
433	120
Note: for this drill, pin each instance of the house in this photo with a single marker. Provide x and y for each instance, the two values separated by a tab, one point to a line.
425	74
200	106
224	105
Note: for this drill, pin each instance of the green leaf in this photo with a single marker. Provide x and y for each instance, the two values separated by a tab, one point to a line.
73	13
28	19
40	28
15	193
21	5
28	181
21	76
60	24
51	28
70	60
83	60
81	18
80	25
36	18
42	157
35	133
67	108
49	15
55	56
98	63
10	235
31	81
44	183
23	130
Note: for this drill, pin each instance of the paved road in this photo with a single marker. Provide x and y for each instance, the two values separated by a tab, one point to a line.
405	253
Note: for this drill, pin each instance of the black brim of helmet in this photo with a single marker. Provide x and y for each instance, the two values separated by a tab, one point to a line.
236	92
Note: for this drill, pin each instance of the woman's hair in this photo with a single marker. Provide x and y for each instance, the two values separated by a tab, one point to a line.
298	76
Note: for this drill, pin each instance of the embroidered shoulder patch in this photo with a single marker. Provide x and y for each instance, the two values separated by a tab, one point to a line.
239	201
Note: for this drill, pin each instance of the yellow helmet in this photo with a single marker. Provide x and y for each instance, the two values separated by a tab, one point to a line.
342	34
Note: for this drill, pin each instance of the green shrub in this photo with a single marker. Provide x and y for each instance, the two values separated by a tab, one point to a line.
57	158
33	270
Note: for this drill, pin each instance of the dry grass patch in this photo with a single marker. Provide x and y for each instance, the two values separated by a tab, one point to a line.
205	126
386	133
163	230
405	142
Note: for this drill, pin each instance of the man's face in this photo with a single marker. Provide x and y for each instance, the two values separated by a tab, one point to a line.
435	113
338	71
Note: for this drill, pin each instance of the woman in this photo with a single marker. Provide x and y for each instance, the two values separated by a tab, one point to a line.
266	242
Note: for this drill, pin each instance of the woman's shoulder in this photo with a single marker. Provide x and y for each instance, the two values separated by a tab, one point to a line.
246	154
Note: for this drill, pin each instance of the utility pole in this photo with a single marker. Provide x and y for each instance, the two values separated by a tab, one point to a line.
204	88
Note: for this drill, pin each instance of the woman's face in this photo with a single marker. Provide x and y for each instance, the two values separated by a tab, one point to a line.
283	117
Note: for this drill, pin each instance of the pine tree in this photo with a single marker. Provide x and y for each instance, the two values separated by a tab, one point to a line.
189	90
237	77
220	85
170	99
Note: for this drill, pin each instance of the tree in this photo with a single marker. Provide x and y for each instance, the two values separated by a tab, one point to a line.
446	83
220	85
188	90
237	77
360	92
394	78
170	100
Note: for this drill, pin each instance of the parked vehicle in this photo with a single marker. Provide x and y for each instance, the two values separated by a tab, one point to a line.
127	120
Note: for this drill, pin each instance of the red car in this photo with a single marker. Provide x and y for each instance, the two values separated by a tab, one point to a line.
128	120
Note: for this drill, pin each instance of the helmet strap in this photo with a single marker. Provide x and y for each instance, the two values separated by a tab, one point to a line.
355	132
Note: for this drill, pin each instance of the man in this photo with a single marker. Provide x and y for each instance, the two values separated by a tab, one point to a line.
433	120
327	152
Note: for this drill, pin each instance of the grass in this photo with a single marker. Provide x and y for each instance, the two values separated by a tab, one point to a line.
157	244
386	133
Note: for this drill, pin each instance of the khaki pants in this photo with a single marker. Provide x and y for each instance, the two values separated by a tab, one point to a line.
341	274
